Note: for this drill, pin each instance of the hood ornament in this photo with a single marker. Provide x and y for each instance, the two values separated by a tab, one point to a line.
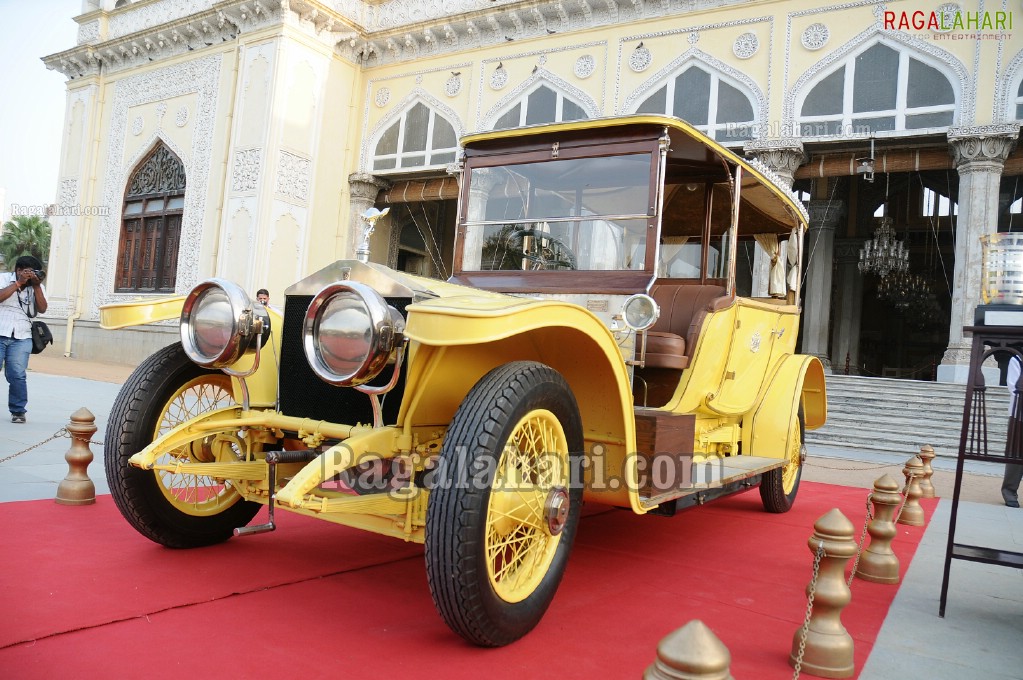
370	217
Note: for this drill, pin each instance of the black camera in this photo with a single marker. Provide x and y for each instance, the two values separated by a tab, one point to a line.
40	274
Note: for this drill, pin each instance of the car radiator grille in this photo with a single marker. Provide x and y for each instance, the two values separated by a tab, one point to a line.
304	395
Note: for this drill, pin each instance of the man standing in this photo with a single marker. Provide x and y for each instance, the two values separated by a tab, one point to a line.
1013	471
21	297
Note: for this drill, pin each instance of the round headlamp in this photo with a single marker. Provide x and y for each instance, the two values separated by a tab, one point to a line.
349	333
220	324
640	312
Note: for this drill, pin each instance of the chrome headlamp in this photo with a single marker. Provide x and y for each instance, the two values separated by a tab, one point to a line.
640	312
349	333
220	324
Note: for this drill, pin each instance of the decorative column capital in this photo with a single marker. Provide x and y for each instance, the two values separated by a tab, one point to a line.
781	155
825	214
982	147
362	185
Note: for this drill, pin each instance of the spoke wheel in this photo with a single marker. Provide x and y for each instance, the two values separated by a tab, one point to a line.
176	510
779	487
531	475
198	495
504	503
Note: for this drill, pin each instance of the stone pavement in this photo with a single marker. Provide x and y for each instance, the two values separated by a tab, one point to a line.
981	635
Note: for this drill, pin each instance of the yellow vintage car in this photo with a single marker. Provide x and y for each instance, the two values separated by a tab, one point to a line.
597	342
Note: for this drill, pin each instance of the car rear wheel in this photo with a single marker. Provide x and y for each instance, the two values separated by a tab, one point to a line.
779	486
505	503
173	509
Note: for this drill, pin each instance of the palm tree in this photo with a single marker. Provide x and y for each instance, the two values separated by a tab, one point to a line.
25	235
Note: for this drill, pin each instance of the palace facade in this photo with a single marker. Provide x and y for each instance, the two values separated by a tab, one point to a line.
242	139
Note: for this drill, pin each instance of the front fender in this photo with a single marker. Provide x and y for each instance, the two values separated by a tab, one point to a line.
799	381
262	384
458	340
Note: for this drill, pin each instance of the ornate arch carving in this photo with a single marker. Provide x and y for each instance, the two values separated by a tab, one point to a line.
1005	89
957	73
417	96
541	75
680	63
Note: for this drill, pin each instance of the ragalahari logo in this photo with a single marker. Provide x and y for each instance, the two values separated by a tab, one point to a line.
945	20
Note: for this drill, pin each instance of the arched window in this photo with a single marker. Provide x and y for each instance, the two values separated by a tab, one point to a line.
881	88
542	105
420	137
1019	101
147	257
707	101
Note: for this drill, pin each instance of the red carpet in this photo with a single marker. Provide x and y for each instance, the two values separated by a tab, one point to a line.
85	596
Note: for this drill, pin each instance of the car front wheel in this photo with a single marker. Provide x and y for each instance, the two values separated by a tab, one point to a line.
505	503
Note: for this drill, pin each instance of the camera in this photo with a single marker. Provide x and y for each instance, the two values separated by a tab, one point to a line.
40	274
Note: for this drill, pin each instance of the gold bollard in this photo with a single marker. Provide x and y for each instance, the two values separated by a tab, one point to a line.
926	487
879	563
77	488
692	652
822	646
912	513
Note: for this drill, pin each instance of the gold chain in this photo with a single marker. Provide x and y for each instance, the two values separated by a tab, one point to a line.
62	432
905	496
863	538
809	609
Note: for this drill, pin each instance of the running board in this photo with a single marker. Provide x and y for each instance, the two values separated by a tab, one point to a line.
713	478
273	459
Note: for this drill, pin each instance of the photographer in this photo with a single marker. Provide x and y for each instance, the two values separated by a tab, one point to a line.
21	297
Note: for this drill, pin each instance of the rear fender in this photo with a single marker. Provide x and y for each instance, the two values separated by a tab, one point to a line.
798	382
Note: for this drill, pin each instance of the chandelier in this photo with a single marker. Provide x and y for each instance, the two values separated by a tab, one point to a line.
885	254
903	289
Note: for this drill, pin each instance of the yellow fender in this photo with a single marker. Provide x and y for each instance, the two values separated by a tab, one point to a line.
262	384
458	340
799	381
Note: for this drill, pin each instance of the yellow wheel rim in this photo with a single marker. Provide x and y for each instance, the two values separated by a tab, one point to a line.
523	531
194	494
790	473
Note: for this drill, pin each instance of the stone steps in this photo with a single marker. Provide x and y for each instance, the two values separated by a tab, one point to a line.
899	416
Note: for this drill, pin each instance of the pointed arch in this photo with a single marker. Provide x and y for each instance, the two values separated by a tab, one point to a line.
1009	93
154	202
943	95
724	88
553	100
419	132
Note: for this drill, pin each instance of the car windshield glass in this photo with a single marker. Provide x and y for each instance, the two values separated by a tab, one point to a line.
585	214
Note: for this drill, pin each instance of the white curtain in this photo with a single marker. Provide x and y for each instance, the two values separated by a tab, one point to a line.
776	280
792	251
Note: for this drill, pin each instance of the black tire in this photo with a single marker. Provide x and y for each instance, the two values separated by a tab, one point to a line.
773	491
464	518
142	496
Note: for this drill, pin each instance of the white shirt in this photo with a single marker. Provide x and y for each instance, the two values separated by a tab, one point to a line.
14	321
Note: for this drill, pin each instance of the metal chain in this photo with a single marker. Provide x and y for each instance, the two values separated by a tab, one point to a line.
62	432
809	610
843	467
905	496
863	538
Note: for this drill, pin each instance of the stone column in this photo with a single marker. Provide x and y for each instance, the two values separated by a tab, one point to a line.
363	190
845	340
819	254
979	154
782	156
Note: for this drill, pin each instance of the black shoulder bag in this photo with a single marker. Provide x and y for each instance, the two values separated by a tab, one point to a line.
41	335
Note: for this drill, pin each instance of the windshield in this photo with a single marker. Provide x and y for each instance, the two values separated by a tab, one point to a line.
570	214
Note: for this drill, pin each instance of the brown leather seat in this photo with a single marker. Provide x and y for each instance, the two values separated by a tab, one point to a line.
672	339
